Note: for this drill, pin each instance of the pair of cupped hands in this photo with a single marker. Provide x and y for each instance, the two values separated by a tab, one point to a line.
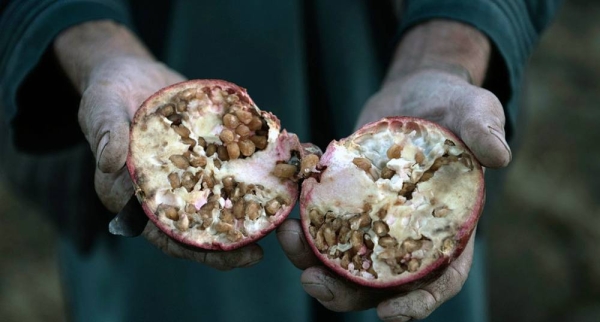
115	74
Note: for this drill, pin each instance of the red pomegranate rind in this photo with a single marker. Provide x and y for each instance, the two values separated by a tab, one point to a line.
395	203
202	158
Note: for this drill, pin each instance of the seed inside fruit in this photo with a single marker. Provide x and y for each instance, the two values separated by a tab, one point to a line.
284	170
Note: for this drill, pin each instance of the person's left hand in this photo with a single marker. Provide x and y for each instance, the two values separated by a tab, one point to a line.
472	113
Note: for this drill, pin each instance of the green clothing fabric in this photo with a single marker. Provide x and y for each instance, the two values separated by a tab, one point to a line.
312	63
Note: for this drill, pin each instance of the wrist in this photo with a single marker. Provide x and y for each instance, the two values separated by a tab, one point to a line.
82	48
443	45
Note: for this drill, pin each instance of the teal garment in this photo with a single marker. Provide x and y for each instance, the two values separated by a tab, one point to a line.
313	63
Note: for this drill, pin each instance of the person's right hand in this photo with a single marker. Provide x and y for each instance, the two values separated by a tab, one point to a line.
115	74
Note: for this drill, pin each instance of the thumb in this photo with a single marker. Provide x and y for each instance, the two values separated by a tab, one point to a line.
105	123
480	124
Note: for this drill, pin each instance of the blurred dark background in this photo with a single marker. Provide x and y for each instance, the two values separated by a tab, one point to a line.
544	232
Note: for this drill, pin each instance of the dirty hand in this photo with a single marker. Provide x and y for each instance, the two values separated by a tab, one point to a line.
436	74
115	73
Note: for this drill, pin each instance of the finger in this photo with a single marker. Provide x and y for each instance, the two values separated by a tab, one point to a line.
294	244
221	260
104	121
420	303
113	189
336	294
480	124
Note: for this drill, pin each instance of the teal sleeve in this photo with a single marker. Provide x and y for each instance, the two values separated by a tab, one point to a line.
513	27
28	29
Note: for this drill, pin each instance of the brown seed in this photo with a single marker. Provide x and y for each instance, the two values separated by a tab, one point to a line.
329	235
420	157
395	151
233	150
240	190
188	181
189	142
181	106
217	163
316	218
320	240
368	241
202	142
364	221
336	224
362	163
372	271
183	223
387	173
175	119
242	130
222	153
222	227
411	245
208	181
187	154
181	130
467	161
199	162
180	161
174	180
231	121
187	94
259	141
312	230
253	210
426	176
448	245
171	212
226	216
167	110
413	265
345	260
211	149
308	164
356	240
344	235
397	269
244	116
228	182
380	228
441	212
284	170
234	235
190	209
272	207
238	209
387	241
357	261
247	147
206	219
227	136
255	124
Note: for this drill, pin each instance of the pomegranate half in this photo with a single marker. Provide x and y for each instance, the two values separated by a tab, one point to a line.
393	204
210	169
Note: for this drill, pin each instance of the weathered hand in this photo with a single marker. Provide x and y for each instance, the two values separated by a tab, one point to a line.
114	79
472	113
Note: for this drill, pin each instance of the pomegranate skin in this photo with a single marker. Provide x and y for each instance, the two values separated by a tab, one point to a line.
340	186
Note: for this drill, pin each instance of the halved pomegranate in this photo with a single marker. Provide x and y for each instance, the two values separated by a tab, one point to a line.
393	204
210	169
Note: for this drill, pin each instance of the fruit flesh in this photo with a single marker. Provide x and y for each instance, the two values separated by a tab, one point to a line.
395	201
191	183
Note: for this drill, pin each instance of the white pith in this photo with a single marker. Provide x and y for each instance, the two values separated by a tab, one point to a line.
153	141
344	188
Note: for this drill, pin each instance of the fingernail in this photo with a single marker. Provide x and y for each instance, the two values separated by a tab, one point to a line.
500	136
102	145
318	291
295	244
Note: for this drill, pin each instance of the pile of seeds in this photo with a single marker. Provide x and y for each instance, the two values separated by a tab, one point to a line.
363	242
198	195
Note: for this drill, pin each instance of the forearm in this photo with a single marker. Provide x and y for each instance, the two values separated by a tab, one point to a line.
442	44
79	49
